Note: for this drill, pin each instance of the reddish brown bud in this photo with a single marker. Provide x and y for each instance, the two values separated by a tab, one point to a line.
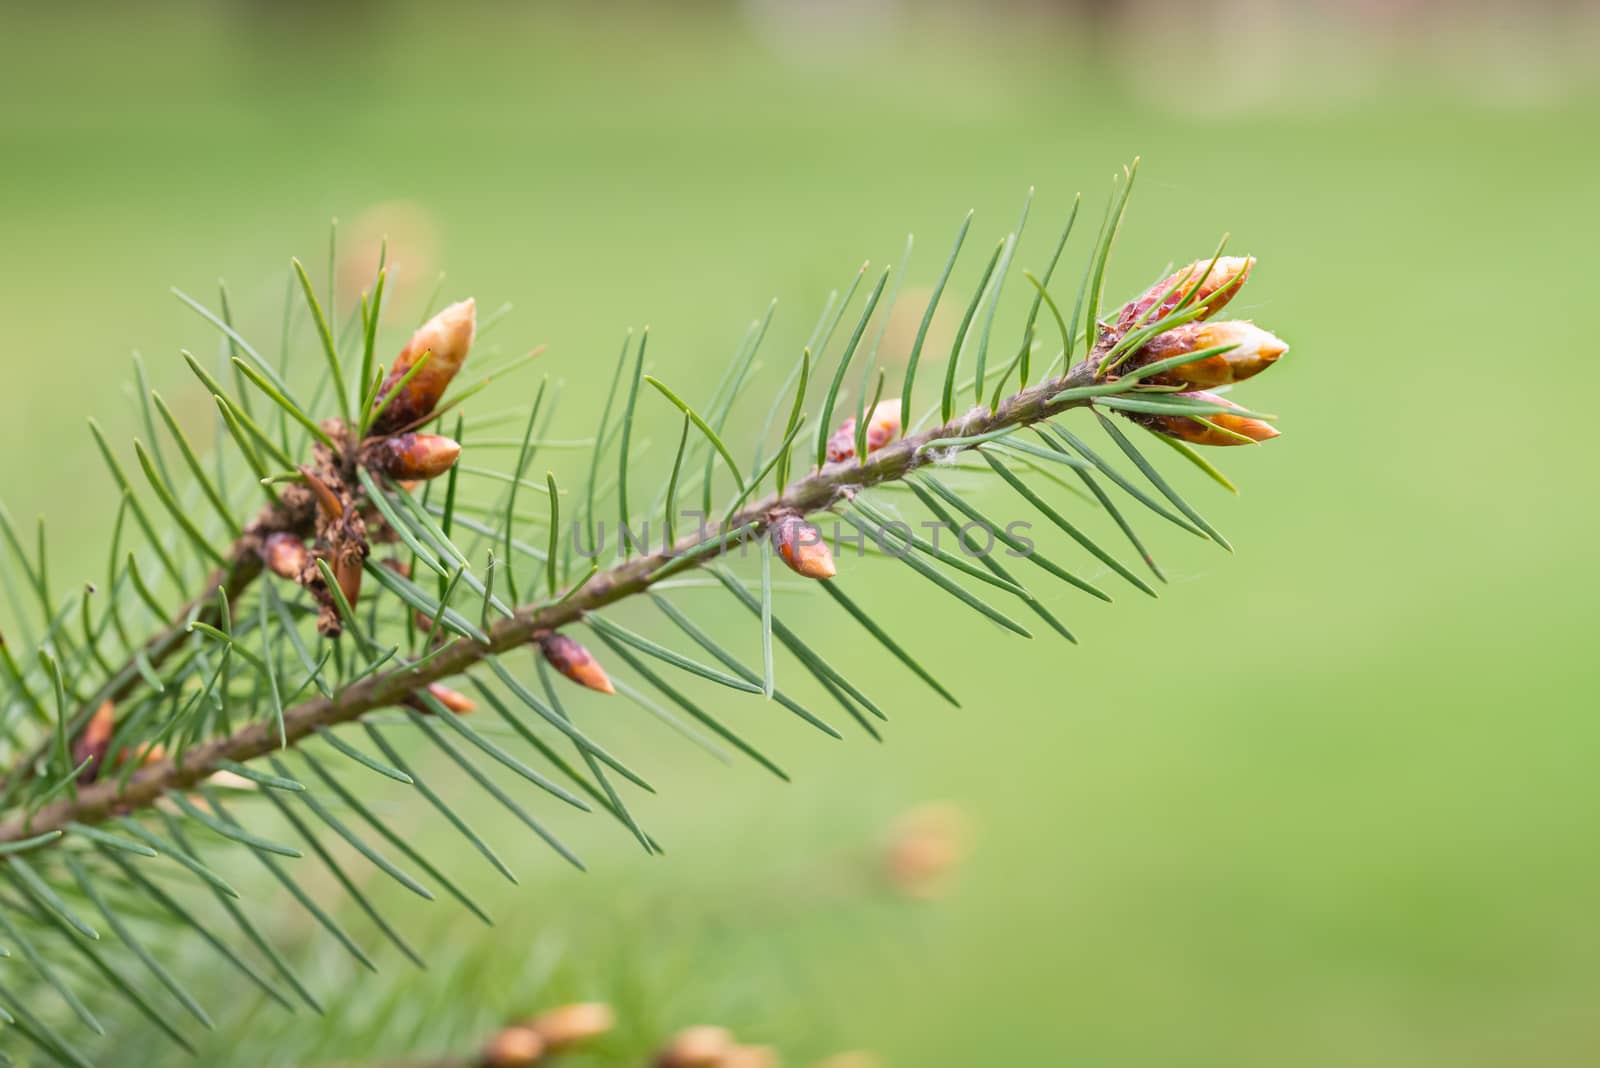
95	741
286	555
1225	428
696	1047
1217	284
514	1047
446	338
571	1024
883	426
575	662
411	456
1254	351
802	547
329	507
347	569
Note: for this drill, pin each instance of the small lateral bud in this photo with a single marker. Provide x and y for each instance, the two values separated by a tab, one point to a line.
453	701
1217	286
95	741
696	1047
575	662
1228	429
286	555
1254	351
802	547
571	1024
447	337
514	1047
412	456
883	426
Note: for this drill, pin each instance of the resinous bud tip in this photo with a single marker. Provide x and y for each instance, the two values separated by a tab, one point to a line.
1254	350
412	456
801	545
285	555
575	662
1220	428
447	338
1216	284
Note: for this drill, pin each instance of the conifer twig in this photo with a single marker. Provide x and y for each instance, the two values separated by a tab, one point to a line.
834	484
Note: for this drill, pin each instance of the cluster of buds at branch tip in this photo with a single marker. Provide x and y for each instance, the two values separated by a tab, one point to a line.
411	457
1213	284
1222	428
446	338
1253	351
574	661
883	426
1228	352
802	547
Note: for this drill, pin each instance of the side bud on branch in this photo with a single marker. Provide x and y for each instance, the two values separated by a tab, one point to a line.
575	662
285	555
1222	428
446	338
801	546
409	457
883	426
1253	351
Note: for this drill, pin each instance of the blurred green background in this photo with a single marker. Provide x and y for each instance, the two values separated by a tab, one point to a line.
1328	802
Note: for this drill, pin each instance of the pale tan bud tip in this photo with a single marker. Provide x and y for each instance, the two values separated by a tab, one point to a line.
575	662
515	1047
571	1024
1225	428
412	456
1254	350
447	338
696	1047
925	847
801	546
285	555
883	426
1217	284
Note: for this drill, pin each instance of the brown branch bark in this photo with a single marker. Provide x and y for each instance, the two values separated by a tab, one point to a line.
833	484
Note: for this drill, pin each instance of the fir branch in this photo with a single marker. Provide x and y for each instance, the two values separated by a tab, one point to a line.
834	484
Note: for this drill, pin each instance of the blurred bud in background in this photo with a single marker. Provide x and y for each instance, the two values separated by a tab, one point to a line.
925	847
412	262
